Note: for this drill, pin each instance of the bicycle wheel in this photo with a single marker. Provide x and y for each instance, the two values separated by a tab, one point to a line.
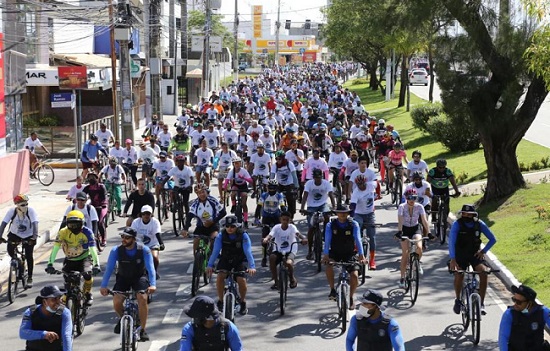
283	284
364	267
166	205
317	247
80	320
205	275
239	212
229	306
45	174
415	276
476	318
159	209
465	308
177	216
24	274
126	335
344	307
12	282
195	282
441	227
398	192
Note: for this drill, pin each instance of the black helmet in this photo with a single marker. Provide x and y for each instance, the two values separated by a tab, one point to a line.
129	231
417	175
441	162
93	137
317	173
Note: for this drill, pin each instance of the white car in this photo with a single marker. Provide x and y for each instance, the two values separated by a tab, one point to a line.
418	76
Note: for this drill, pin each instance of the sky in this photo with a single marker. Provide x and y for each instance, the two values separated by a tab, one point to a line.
296	11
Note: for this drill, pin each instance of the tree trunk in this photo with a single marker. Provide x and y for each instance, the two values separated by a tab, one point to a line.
432	77
404	83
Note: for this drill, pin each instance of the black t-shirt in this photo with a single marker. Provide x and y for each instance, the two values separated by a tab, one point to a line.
139	201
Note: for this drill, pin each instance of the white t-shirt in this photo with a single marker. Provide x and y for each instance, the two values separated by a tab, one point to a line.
212	138
285	238
118	153
164	138
21	226
269	142
291	157
350	166
146	233
128	156
250	107
230	136
212	113
368	173
354	130
225	158
239	178
317	195
88	217
242	140
73	190
104	137
364	199
182	178
196	137
252	146
32	144
147	155
421	167
284	174
162	168
337	160
261	164
203	157
312	164
114	175
420	192
258	129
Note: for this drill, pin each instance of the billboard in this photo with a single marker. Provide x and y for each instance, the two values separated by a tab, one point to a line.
257	20
72	77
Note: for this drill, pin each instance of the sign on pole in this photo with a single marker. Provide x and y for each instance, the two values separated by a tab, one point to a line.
197	43
72	77
59	100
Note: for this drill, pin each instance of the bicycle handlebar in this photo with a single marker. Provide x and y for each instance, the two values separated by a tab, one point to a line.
127	294
461	271
414	241
233	272
343	264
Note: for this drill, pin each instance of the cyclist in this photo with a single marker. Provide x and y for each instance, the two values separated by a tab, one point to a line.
417	164
89	212
337	132
31	144
182	176
152	128
98	198
297	157
106	136
315	162
180	143
284	172
208	330
238	177
423	192
213	138
137	200
230	136
48	325
146	156
409	215
204	157
323	141
80	252
268	210
342	237
115	177
363	170
465	250
135	271
362	211
316	193
89	155
164	138
260	162
161	167
71	194
148	233
336	162
522	324
222	161
373	329
394	133
234	248
396	157
208	211
350	165
129	160
439	178
284	235
23	227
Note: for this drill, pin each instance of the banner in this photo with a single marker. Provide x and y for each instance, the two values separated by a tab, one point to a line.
257	20
72	77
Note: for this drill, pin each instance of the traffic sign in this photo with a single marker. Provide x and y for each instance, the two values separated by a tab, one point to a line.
302	50
197	43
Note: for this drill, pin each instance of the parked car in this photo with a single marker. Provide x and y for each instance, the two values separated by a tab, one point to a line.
424	65
418	76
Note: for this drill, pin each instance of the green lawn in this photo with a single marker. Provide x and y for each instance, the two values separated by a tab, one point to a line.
225	82
467	166
523	239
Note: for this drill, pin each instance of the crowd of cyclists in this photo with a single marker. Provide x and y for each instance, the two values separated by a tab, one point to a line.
289	139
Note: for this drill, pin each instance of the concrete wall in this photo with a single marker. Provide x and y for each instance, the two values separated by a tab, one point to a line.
15	179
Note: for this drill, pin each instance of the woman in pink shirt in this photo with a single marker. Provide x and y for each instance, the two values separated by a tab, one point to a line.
396	157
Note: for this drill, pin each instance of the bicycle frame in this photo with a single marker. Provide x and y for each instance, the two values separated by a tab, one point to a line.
129	320
18	268
231	297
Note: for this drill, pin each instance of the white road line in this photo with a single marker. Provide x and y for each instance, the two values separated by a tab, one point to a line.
182	290
159	345
190	269
172	316
498	300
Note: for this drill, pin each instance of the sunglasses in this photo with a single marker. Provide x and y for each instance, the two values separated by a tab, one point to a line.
518	301
23	204
411	197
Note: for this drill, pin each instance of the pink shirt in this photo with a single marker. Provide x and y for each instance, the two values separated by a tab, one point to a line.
397	157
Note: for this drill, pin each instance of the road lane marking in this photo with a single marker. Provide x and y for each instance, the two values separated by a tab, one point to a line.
190	269
498	300
159	345
184	290
172	316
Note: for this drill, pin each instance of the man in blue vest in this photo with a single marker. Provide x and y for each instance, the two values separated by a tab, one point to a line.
522	325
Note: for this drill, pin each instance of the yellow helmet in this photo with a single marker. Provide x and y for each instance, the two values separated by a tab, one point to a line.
75	216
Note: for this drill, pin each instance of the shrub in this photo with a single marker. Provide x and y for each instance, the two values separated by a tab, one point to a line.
48	121
359	81
422	114
447	131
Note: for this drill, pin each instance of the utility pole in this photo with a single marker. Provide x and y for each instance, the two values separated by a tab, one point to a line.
116	122
206	51
236	44
122	35
184	44
155	60
277	28
171	34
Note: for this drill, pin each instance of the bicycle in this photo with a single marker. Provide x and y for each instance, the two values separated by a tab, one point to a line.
200	263
366	252
343	293
178	215
163	202
231	297
18	270
336	185
316	221
397	190
130	327
470	300
112	202
282	273
128	185
42	171
440	226
412	274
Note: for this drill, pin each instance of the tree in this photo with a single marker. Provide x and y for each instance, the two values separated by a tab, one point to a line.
197	21
503	96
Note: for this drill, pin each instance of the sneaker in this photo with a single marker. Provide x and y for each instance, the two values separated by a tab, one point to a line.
117	327
243	310
29	283
457	306
402	283
88	299
309	256
483	312
264	262
232	209
143	336
103	243
219	304
420	270
332	295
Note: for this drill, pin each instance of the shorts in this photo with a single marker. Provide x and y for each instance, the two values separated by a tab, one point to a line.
222	173
265	177
465	260
206	231
291	256
365	220
139	284
200	169
270	220
227	264
312	209
345	258
86	165
83	265
409	232
240	188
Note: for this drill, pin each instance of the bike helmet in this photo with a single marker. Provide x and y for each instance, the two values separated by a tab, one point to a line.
360	180
410	192
20	198
417	175
232	220
399	145
254	134
272	183
201	187
441	162
389	127
417	152
93	137
237	159
289	130
75	221
317	173
113	160
381	121
179	129
218	123
129	232
180	158
280	153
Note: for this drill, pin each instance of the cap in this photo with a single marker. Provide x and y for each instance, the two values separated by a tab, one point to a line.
163	154
525	291
372	296
202	307
129	231
468	209
50	291
341	208
81	195
146	208
128	141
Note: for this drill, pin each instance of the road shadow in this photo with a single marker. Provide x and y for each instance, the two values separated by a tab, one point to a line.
329	327
453	337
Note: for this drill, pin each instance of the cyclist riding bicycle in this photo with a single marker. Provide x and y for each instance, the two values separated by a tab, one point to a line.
238	177
115	177
98	198
222	161
182	175
204	157
148	233
180	143
90	152
161	168
422	187
78	244
396	157
439	178
234	248
416	165
260	162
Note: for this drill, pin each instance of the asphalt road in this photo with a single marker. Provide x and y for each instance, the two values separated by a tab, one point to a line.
537	133
311	319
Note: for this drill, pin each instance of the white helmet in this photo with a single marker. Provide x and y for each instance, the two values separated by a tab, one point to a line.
381	121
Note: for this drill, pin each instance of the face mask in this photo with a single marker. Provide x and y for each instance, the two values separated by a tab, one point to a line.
364	312
51	310
525	310
468	219
92	181
155	122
